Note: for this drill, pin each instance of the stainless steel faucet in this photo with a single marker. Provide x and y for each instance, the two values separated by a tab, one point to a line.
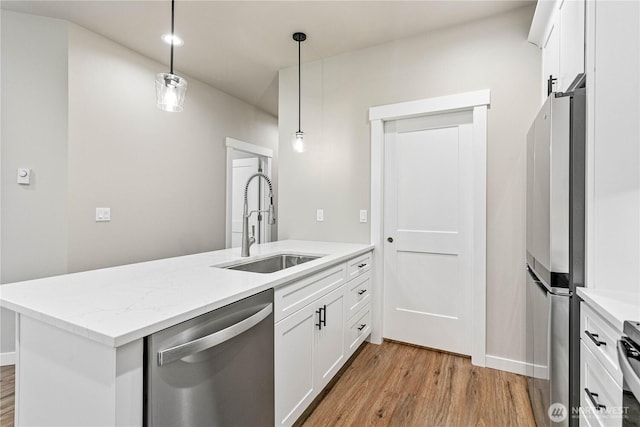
246	240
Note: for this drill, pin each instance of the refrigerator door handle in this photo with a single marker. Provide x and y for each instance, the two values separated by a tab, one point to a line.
543	286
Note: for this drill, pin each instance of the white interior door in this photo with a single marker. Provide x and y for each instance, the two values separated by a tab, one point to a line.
428	221
242	170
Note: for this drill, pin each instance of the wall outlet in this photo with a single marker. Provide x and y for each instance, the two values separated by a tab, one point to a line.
103	214
363	215
320	215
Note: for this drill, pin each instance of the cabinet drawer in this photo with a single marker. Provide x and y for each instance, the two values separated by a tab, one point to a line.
290	298
359	293
603	390
359	328
593	328
358	265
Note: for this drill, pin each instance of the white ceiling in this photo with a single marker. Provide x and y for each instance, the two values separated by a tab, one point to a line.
239	46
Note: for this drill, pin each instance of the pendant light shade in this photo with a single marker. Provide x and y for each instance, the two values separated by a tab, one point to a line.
170	91
170	88
298	141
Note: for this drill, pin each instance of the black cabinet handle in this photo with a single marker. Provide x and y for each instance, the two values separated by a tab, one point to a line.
362	291
362	265
550	82
362	327
592	398
322	320
594	338
390	239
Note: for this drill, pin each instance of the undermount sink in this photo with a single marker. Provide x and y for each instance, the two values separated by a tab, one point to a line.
273	263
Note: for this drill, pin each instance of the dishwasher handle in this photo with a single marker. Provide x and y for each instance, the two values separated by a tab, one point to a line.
183	350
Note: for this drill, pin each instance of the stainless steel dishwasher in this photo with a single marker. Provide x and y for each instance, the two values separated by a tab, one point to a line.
213	370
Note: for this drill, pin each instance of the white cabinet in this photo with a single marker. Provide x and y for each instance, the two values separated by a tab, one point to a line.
358	311
294	296
358	265
613	148
601	337
309	351
359	328
294	355
562	40
600	376
599	393
358	293
329	337
318	326
571	41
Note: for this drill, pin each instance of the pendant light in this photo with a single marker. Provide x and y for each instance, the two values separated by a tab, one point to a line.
298	137
170	88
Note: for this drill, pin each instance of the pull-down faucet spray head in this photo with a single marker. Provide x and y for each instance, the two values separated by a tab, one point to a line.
247	240
272	211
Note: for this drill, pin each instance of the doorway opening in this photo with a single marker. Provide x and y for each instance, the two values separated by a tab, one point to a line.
422	243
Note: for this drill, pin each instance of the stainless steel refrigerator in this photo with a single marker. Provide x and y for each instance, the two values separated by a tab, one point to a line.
555	255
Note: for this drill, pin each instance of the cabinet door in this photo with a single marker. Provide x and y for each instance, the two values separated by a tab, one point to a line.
571	42
330	337
294	357
598	388
613	176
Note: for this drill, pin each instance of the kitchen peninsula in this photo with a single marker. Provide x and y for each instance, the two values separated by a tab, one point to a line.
80	336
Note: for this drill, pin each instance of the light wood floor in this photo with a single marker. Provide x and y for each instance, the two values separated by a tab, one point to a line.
7	387
399	385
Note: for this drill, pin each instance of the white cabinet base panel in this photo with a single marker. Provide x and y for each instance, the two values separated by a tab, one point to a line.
64	379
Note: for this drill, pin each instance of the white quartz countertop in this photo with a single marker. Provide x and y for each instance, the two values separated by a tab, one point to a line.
117	305
614	306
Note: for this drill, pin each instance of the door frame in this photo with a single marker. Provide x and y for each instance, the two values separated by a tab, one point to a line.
234	145
477	102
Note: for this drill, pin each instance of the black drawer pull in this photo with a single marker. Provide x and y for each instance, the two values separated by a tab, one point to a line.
594	337
362	265
592	398
362	327
362	291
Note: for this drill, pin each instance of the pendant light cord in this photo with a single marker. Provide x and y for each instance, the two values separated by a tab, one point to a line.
172	35
299	89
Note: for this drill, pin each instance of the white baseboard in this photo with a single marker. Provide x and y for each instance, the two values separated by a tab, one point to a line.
504	364
8	358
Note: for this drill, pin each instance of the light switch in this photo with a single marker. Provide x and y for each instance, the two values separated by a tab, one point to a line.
24	176
103	214
320	215
363	215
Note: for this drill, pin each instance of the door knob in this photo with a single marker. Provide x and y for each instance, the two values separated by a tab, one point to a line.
390	239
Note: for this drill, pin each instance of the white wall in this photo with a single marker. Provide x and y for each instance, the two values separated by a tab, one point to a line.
162	174
33	231
334	174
